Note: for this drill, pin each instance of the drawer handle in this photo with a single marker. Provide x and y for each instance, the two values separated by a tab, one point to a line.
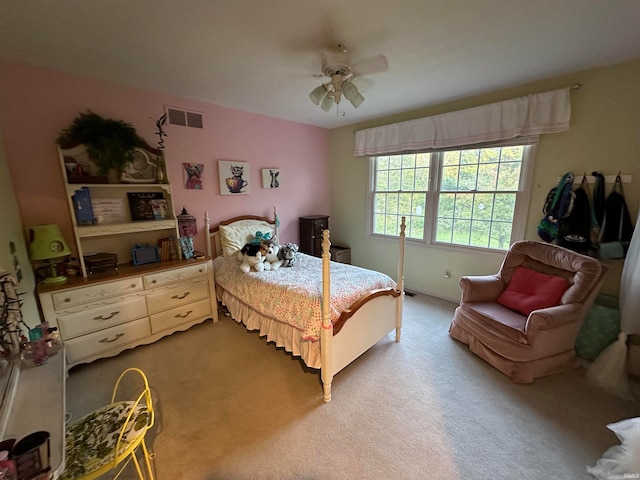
111	315
154	281
133	285
180	297
67	300
106	340
185	315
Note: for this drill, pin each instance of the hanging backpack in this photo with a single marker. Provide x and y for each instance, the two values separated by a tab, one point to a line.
598	197
617	228
575	232
557	207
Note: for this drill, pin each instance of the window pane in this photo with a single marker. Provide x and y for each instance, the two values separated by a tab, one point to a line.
489	155
422	179
415	227
423	159
509	176
404	205
394	180
480	233
382	163
504	207
468	176
488	177
392	225
408	180
500	235
408	161
395	162
444	230
451	158
483	206
461	231
469	156
464	205
379	203
446	205
382	182
449	180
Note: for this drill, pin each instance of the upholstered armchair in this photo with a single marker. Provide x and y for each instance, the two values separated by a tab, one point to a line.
524	320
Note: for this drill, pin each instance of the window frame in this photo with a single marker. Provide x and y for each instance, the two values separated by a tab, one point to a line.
523	194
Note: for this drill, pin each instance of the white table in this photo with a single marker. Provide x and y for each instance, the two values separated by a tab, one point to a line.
34	400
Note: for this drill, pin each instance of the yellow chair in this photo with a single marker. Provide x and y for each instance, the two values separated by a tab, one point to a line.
103	439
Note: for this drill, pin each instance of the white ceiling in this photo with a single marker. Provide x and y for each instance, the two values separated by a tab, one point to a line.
261	55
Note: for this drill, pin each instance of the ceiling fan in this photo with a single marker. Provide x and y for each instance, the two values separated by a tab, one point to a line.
337	66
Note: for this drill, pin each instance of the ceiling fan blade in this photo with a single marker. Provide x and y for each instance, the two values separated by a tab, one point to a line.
373	65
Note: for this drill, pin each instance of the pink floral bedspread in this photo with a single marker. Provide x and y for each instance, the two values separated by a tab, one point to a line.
293	295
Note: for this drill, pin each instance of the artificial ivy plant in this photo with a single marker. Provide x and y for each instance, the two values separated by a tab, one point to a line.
110	143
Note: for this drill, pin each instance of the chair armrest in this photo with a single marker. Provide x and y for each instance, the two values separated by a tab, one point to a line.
552	317
481	288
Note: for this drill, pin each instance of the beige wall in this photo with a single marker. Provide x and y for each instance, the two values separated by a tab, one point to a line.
604	136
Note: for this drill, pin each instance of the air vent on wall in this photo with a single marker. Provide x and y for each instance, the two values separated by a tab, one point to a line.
184	118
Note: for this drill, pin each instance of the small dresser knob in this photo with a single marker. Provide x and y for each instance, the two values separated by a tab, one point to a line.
133	285
154	281
67	299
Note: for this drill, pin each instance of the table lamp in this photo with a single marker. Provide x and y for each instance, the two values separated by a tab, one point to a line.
47	243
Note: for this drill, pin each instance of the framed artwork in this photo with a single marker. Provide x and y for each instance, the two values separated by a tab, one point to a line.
270	177
193	175
139	170
235	177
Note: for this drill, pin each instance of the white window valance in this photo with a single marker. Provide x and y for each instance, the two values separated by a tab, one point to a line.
547	112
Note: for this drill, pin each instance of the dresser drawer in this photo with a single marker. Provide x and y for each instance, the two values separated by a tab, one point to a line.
180	315
177	275
187	292
100	318
89	294
95	343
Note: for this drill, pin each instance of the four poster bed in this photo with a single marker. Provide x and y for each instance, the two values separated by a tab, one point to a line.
327	313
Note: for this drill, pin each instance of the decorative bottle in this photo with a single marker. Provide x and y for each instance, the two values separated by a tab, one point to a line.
160	168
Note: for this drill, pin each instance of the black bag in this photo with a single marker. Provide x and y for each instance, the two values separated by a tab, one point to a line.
576	229
557	206
617	228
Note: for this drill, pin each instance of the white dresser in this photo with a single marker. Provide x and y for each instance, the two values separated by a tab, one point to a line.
102	316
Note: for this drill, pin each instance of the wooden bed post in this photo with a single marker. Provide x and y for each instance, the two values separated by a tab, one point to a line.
326	335
207	229
400	283
276	224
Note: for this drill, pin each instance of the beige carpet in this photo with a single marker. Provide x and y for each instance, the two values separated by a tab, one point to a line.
231	406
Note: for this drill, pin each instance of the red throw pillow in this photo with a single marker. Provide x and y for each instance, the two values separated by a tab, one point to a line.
530	290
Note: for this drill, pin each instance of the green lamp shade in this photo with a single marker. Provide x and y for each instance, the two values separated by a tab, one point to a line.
47	243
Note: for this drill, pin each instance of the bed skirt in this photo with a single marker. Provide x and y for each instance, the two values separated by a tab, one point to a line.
282	334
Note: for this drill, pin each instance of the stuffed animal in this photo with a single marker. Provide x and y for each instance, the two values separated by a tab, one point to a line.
272	261
288	255
252	256
260	237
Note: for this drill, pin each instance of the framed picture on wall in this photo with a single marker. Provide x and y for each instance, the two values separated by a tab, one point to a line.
270	178
235	177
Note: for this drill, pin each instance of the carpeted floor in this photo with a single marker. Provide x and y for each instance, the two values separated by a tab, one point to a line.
231	406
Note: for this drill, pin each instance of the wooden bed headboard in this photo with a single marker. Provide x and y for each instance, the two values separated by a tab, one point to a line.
214	246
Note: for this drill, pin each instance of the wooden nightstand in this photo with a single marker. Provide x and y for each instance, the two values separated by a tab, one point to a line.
340	254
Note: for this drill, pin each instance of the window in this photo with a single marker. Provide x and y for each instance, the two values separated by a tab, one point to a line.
474	197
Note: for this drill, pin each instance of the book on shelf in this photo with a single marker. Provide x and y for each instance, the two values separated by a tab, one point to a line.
168	249
141	204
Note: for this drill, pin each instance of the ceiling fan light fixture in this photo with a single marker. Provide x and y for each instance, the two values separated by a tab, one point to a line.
327	102
318	94
352	94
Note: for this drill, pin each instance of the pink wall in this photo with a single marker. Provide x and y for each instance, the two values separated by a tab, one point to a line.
36	104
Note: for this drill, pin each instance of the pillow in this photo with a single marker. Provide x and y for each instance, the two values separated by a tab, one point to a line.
530	290
233	237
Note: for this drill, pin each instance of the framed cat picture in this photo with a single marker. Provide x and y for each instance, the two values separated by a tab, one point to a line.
270	178
235	177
